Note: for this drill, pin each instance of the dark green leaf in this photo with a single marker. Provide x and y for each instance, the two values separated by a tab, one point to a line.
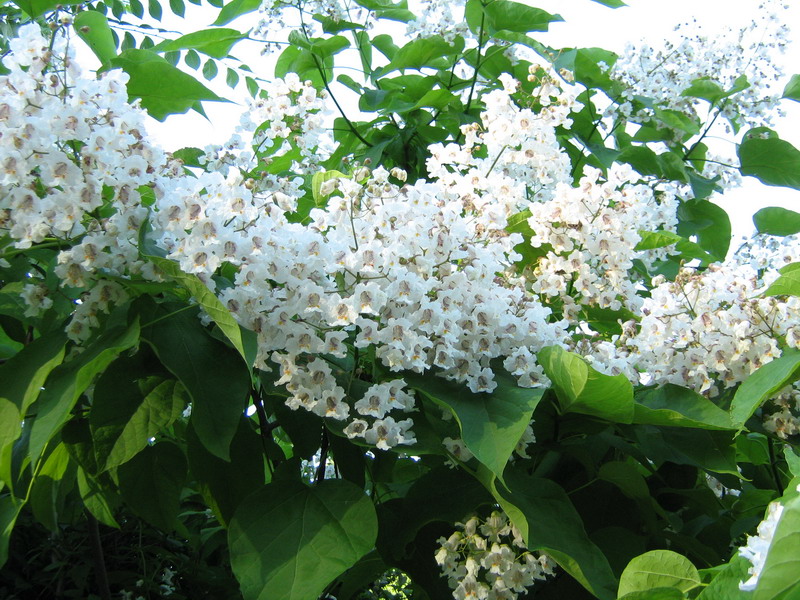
491	424
548	521
68	381
709	450
136	8
677	406
151	484
763	384
95	499
289	541
177	7
154	9
775	220
225	484
583	390
23	375
10	508
772	161
659	568
128	411
242	340
215	378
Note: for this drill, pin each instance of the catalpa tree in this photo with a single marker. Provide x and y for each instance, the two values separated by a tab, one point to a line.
480	336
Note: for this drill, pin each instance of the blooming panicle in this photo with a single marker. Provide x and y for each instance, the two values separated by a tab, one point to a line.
487	558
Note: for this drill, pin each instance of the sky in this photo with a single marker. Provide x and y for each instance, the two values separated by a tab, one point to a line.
586	24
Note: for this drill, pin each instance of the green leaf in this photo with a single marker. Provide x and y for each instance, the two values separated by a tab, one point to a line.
709	222
10	424
225	484
92	27
677	406
491	424
95	500
154	9
709	450
763	384
780	577
128	411
725	585
68	381
660	593
46	488
10	508
216	43
243	341
23	375
772	161
151	484
548	522
231	78
318	179
787	284
660	239
163	88
583	390
792	89
36	8
289	541
504	15
626	477
611	3
215	378
210	69
236	9
775	220
419	53
192	59
136	8
659	568
177	7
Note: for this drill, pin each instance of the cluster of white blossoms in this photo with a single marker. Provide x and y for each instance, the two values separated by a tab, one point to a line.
590	233
710	330
287	114
757	546
70	147
512	158
487	560
782	415
662	74
438	18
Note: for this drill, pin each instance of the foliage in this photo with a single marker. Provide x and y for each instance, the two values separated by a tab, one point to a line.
487	342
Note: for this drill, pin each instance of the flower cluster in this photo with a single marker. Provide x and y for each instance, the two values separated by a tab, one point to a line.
782	415
70	147
707	330
487	560
662	74
589	234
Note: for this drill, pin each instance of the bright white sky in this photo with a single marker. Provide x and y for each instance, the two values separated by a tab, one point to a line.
586	24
